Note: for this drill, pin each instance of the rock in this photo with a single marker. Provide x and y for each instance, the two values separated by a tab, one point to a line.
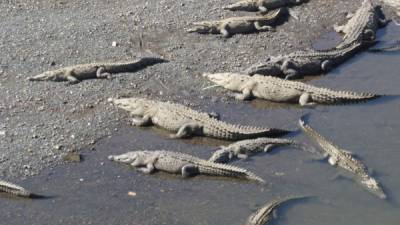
72	157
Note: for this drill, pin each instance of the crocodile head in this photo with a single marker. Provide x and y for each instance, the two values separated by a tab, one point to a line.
269	67
221	156
136	158
204	27
372	185
48	76
231	81
135	106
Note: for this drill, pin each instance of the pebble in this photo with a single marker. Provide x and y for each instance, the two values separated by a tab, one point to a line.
132	194
114	44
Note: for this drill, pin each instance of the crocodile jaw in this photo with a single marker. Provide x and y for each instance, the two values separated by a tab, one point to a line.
124	158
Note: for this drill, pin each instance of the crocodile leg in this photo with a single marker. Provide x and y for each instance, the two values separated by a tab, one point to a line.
144	121
245	95
224	30
149	165
306	100
326	65
269	147
69	75
101	74
189	170
338	29
259	27
289	71
187	130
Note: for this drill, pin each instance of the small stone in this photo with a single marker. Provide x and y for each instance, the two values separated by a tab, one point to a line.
114	44
52	63
2	133
132	194
81	179
72	157
58	147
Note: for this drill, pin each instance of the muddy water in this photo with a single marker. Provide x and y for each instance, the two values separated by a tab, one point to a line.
96	190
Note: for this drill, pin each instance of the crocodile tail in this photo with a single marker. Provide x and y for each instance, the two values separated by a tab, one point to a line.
220	169
14	189
328	96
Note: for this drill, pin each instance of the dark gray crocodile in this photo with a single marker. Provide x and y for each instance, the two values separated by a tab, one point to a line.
245	148
77	73
262	5
344	159
279	90
298	64
362	25
188	122
180	163
263	215
245	24
14	189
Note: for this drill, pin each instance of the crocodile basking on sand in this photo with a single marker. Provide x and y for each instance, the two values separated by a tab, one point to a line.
77	73
264	214
362	25
246	148
188	122
180	163
301	63
229	26
280	90
16	190
262	6
344	159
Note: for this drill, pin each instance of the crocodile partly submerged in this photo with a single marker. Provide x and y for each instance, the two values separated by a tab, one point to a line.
279	90
180	163
245	24
262	5
300	63
77	73
344	159
264	214
188	122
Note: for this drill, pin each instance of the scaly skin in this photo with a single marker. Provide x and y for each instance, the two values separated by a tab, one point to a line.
14	189
362	26
262	6
246	24
263	215
279	90
77	73
188	122
301	63
180	163
344	159
244	149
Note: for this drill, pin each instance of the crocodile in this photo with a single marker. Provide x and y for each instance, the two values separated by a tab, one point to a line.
344	159
188	122
180	163
14	189
280	90
362	25
233	25
263	215
77	73
300	63
262	6
245	148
